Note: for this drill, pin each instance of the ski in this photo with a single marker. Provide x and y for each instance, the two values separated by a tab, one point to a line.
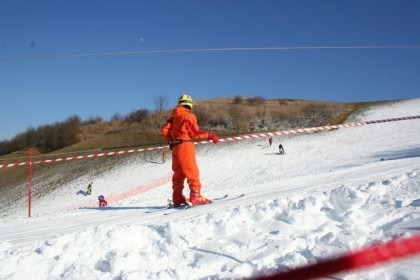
188	206
170	205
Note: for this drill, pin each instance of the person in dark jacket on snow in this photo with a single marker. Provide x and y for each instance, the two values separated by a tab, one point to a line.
89	189
281	150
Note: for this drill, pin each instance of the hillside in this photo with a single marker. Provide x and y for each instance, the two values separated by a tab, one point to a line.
226	116
240	115
330	193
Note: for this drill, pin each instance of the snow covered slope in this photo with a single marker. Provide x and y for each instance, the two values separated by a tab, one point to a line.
331	192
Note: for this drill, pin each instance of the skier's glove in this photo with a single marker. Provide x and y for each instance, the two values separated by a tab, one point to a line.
214	138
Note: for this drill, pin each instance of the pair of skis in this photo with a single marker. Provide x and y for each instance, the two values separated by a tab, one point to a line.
189	206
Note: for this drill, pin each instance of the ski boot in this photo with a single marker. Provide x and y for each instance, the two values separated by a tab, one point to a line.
197	199
177	201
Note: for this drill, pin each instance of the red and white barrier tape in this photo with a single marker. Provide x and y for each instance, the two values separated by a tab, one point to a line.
235	138
376	254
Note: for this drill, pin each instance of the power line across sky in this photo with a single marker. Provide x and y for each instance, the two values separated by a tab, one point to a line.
301	48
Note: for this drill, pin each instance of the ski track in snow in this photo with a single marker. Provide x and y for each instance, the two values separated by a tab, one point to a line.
331	193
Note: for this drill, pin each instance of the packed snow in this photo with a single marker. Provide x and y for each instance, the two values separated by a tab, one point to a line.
330	193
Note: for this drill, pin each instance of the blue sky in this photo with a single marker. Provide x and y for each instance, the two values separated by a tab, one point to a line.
37	92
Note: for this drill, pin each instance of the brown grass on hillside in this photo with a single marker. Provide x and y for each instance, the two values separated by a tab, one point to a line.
227	116
238	114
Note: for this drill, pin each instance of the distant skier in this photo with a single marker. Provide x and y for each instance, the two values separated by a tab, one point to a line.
89	189
164	155
102	201
179	131
270	141
281	150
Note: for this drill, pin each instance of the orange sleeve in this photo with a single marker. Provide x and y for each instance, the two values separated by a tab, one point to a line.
193	129
166	130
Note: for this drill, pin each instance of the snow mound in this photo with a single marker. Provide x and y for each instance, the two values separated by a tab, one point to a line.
240	242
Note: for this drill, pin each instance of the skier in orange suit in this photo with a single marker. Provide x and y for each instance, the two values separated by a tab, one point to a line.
179	131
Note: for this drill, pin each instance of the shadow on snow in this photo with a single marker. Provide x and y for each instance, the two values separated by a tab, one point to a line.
401	154
113	208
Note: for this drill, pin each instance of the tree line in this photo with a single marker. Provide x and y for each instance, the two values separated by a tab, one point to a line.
51	137
46	138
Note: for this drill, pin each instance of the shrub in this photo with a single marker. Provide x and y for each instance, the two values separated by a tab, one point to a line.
58	135
116	117
137	116
93	120
203	117
238	99
316	114
258	100
46	138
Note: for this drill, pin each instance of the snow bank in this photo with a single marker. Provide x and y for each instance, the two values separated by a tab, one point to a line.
280	233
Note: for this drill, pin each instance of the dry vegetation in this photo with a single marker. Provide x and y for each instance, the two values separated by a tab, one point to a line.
141	127
256	114
237	115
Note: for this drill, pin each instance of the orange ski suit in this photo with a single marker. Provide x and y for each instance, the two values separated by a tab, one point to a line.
179	130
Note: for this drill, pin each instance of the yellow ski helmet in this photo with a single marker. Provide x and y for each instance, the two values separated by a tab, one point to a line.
185	100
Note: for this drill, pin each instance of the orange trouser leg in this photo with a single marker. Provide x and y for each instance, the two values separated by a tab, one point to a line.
184	166
178	179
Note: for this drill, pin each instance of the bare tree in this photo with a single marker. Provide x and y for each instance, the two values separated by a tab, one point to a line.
116	117
161	102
